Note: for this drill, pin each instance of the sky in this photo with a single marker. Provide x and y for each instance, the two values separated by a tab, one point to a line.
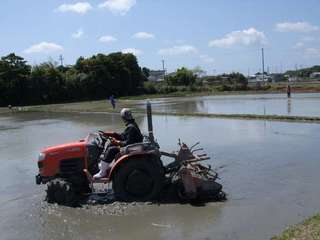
217	35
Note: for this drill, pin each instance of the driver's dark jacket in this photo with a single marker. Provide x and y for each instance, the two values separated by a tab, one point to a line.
131	134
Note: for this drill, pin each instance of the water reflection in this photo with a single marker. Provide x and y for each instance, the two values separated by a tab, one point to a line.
289	106
184	105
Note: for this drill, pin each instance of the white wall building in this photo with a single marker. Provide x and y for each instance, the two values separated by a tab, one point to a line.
315	75
258	77
156	75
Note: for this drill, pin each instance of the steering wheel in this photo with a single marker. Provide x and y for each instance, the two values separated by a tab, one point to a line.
102	136
106	140
100	140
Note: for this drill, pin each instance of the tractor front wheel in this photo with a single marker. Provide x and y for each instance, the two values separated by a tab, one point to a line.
61	192
138	180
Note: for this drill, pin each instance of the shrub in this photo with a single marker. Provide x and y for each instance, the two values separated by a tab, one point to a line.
149	87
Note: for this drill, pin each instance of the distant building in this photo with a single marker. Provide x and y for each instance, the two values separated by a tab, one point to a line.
277	77
156	75
315	75
258	77
293	79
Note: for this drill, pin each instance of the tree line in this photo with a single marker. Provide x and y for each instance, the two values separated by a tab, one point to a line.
192	80
303	72
92	78
98	77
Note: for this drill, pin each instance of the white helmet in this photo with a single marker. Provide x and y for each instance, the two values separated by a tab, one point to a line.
126	114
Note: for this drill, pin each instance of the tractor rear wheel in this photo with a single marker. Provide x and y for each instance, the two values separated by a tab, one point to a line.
138	180
61	192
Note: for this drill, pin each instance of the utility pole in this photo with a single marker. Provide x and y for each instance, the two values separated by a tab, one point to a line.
61	60
262	51
164	70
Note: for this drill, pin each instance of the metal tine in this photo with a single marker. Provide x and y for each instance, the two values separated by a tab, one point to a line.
202	155
196	150
197	143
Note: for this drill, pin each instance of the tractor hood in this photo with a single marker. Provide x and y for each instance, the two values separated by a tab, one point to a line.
50	158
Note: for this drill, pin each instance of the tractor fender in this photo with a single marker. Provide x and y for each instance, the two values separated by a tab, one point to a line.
126	157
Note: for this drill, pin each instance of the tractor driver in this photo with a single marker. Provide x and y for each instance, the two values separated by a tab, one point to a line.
130	135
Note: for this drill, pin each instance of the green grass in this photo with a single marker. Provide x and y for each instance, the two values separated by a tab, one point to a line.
307	230
246	116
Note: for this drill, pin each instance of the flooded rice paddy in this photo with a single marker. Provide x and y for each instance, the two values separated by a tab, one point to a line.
300	104
270	171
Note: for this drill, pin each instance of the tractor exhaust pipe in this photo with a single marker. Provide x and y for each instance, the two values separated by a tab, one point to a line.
149	117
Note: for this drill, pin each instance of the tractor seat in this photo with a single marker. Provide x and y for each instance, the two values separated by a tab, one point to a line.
137	147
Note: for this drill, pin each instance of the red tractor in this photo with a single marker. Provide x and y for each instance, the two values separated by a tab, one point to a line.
137	173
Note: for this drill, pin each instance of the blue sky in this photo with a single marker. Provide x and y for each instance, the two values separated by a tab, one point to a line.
217	35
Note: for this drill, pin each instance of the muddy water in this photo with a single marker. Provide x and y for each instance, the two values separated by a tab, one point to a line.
269	170
306	104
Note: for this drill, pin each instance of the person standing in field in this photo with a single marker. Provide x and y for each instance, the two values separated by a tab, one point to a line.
112	101
289	91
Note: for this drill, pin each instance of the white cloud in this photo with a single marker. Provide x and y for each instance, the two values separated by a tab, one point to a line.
44	47
118	7
178	50
308	39
143	35
134	51
78	34
295	27
107	39
205	58
79	7
298	45
245	37
312	52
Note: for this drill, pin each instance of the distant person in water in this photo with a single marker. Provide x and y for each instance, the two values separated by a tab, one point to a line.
112	101
289	91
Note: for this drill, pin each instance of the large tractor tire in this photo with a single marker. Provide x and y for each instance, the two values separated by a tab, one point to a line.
138	180
61	192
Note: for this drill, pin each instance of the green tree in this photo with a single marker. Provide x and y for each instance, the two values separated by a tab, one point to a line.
48	84
238	78
90	78
146	72
182	77
198	71
14	74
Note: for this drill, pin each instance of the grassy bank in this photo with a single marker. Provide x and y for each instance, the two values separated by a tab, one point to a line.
307	230
247	116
